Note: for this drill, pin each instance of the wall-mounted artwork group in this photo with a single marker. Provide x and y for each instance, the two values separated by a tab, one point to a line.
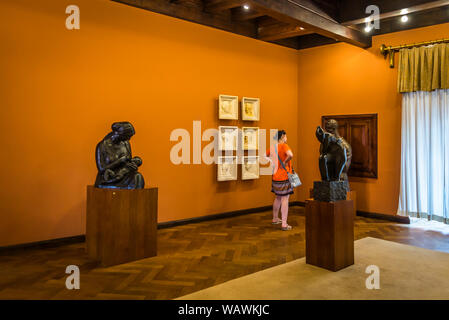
228	138
228	166
228	108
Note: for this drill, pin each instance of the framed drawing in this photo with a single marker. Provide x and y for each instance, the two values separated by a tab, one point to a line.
228	107
250	168
227	138
227	168
250	109
250	138
360	131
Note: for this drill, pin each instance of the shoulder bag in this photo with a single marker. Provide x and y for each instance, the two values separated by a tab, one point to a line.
292	177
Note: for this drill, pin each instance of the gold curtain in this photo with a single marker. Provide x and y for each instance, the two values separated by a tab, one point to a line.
424	68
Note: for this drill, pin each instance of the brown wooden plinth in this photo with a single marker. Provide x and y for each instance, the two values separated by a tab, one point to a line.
352	195
330	234
121	225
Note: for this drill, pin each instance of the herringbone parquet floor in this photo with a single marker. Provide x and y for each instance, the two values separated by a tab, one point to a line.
190	258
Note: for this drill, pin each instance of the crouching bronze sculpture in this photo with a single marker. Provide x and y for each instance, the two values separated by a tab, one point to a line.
116	166
333	164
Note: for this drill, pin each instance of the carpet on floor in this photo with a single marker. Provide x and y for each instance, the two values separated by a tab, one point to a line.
406	272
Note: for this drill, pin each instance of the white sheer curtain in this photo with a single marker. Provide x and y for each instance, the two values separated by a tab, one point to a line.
425	155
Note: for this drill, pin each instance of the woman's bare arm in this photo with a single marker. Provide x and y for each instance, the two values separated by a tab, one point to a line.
289	156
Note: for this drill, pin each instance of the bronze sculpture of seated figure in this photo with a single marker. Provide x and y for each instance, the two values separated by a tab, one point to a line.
116	166
332	162
333	155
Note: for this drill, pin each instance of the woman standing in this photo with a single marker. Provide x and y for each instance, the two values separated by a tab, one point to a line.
280	185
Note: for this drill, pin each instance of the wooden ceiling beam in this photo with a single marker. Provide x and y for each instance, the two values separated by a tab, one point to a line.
243	15
197	15
216	6
267	21
281	31
312	6
417	20
402	11
289	12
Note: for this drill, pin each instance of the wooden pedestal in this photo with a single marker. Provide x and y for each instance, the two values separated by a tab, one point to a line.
330	234
121	225
350	195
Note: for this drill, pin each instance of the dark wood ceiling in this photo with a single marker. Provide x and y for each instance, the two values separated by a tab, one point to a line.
422	13
298	24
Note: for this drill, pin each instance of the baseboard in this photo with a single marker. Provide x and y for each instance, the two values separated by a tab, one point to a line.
44	244
169	224
81	238
174	223
382	216
229	214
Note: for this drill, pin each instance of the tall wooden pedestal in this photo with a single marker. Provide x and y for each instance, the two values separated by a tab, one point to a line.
330	234
121	225
350	195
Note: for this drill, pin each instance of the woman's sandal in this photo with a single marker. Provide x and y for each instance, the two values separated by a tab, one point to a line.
286	228
276	222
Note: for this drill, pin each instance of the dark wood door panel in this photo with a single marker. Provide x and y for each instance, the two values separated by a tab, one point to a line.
359	134
360	131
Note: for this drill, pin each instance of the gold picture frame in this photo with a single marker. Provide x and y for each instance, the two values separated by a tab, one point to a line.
250	109
250	138
227	138
228	107
227	168
250	168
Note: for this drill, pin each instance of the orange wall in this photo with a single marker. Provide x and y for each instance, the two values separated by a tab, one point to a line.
60	91
343	79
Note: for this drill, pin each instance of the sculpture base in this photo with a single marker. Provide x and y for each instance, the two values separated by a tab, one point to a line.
329	191
121	225
330	234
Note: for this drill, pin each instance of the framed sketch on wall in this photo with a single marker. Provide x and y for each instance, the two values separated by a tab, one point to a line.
250	138
228	107
250	168
227	168
227	138
360	131
250	109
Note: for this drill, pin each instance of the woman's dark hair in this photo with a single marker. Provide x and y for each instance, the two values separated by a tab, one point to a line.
280	134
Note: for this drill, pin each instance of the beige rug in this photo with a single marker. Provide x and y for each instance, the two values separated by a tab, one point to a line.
406	272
